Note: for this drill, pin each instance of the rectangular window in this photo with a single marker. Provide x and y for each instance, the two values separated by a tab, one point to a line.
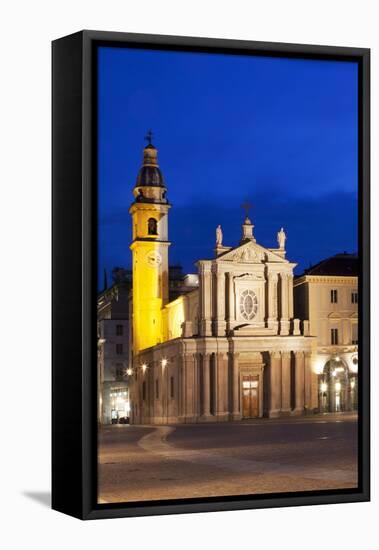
119	371
119	349
172	387
354	334
157	389
333	296
119	330
143	391
334	336
354	297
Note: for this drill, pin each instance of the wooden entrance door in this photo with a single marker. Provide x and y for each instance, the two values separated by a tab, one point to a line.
250	396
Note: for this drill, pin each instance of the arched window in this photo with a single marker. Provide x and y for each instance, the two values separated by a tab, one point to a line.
152	228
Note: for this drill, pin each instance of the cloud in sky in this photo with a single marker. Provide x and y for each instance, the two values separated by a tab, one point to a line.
316	228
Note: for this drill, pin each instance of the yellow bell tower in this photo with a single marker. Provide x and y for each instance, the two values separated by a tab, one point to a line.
149	247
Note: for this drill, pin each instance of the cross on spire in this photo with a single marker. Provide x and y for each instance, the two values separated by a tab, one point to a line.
246	206
149	137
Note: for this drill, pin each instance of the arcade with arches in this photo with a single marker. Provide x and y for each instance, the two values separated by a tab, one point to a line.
338	387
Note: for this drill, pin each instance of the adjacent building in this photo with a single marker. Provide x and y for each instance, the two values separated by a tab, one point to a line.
113	359
327	295
229	345
114	341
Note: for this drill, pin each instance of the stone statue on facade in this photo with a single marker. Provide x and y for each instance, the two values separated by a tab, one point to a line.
218	236
281	238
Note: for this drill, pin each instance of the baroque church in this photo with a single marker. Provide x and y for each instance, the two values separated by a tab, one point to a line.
228	347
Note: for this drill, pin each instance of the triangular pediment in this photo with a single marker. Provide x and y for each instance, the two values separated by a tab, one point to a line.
334	315
251	253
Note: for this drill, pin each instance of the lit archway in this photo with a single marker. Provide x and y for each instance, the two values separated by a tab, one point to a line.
337	387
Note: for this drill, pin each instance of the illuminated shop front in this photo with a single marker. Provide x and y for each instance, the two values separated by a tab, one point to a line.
120	407
338	386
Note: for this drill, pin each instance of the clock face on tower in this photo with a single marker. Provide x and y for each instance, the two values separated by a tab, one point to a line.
153	258
248	304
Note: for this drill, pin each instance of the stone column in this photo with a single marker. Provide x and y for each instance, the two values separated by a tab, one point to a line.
236	414
299	382
286	382
272	302
220	324
275	384
222	385
206	386
315	390
182	386
307	382
231	306
196	405
205	298
190	386
214	386
284	322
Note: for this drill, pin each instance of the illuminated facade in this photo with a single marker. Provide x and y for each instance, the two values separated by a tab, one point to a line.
229	349
327	295
150	253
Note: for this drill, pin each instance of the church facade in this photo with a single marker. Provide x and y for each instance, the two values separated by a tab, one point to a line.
228	349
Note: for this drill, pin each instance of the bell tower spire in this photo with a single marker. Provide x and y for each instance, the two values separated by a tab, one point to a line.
149	247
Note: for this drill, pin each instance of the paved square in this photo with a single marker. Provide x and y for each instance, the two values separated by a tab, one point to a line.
139	463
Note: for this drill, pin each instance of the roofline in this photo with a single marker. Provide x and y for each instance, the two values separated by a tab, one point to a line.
322	278
353	255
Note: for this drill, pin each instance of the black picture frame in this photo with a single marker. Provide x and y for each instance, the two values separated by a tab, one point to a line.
74	204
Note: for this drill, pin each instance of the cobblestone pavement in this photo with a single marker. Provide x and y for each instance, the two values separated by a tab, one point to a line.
251	457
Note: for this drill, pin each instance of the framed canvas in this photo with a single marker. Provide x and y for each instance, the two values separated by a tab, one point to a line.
210	275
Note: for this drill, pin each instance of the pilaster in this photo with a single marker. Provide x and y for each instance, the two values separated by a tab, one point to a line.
284	321
231	305
290	295
272	313
219	323
205	299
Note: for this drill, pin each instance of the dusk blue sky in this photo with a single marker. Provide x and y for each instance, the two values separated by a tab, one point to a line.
280	133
